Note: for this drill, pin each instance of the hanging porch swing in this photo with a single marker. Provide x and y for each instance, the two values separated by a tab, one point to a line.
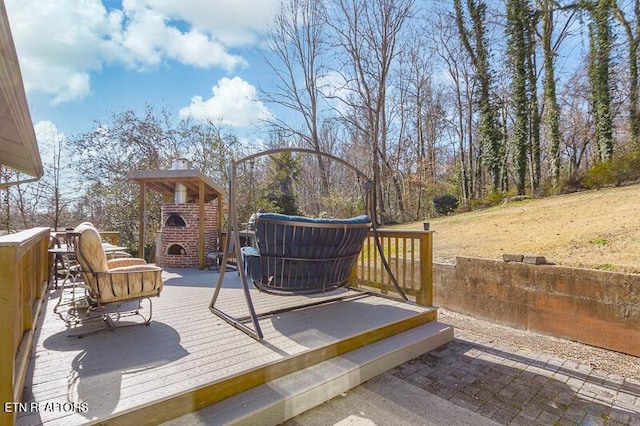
294	254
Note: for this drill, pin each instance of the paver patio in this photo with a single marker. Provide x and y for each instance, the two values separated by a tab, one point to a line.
502	384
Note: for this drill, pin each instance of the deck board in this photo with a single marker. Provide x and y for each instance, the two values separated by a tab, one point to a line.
186	347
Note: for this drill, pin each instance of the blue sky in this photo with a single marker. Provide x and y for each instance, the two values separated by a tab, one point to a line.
82	60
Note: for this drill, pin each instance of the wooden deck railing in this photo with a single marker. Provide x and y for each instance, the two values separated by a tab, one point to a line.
111	237
410	257
24	273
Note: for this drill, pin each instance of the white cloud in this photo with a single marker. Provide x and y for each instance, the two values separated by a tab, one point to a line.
147	38
59	45
47	133
234	23
189	48
50	140
233	103
56	45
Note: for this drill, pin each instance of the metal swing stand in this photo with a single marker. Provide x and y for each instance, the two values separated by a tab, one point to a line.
239	323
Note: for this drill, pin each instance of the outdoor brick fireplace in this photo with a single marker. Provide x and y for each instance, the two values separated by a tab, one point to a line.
177	241
190	221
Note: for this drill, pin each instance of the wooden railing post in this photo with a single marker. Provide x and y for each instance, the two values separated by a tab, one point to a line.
24	276
112	237
425	297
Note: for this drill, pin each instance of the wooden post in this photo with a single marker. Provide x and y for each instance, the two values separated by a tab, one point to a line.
353	276
143	190
220	213
201	225
425	297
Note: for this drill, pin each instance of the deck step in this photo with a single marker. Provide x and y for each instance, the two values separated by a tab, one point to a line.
286	397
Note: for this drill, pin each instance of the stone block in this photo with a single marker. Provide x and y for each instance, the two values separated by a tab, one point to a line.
535	260
512	257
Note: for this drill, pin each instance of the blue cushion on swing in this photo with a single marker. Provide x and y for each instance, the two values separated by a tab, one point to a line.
362	219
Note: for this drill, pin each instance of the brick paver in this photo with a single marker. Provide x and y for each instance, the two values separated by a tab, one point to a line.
521	387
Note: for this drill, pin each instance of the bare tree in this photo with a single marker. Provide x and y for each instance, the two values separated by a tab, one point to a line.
5	205
424	121
369	35
456	64
47	201
103	157
577	123
210	147
297	43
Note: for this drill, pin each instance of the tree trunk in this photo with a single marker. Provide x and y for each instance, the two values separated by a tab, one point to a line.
552	110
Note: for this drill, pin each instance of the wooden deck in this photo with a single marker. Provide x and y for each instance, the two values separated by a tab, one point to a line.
189	358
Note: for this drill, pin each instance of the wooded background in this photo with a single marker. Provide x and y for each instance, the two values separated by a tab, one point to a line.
474	99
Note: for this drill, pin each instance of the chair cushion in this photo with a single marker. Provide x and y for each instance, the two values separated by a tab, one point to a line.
91	255
130	282
125	261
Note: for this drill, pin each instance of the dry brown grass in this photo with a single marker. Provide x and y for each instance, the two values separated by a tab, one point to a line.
593	229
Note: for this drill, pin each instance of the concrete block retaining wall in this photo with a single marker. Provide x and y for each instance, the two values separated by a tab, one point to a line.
599	308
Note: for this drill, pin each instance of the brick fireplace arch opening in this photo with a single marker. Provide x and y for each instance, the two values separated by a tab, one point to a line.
176	250
174	219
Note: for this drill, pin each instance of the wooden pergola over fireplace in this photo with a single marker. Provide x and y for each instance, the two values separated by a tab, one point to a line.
188	198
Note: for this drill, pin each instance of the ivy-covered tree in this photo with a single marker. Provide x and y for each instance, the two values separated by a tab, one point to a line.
552	109
535	149
600	44
475	43
632	31
518	51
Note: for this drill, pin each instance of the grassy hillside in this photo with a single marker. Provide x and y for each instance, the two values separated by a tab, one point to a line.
594	229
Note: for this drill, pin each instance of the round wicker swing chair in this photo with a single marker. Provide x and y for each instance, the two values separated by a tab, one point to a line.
301	255
296	255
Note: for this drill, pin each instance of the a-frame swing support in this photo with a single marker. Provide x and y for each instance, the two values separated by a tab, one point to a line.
232	226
